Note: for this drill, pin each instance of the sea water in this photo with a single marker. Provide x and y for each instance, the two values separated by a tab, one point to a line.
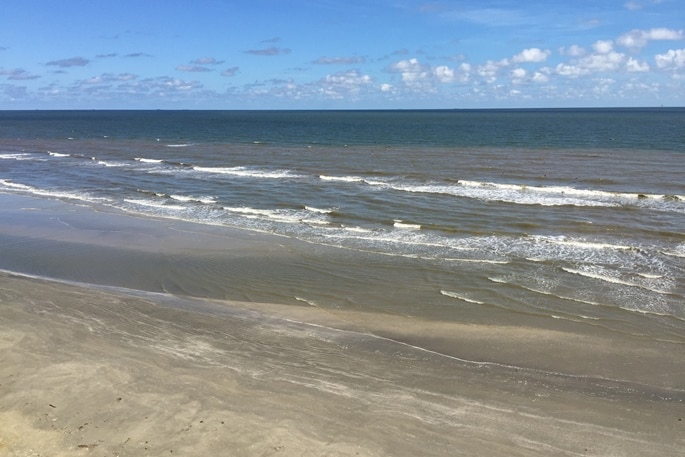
488	216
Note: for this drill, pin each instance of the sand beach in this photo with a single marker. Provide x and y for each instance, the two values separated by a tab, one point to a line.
90	368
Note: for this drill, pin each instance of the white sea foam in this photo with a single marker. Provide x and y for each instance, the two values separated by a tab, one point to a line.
187	198
180	145
460	297
144	160
283	216
678	251
318	210
406	226
498	280
342	178
12	185
650	275
309	302
248	172
612	279
15	156
490	261
357	229
108	163
578	243
527	195
18	187
58	154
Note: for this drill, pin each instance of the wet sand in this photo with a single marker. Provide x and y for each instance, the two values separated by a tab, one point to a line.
98	370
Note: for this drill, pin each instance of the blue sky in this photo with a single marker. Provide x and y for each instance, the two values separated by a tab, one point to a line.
354	54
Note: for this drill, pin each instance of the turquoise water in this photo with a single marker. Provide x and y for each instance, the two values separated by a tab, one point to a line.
571	215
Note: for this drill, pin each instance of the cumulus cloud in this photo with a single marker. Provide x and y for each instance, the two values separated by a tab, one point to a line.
72	62
411	70
603	46
540	77
573	51
672	60
604	60
339	60
633	66
423	77
518	75
490	69
344	84
531	55
635	40
271	51
444	74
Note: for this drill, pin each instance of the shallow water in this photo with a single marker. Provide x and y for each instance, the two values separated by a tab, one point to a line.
481	216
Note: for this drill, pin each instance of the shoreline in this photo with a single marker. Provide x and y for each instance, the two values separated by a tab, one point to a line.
113	250
131	368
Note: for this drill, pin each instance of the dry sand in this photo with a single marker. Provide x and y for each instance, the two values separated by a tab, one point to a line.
106	373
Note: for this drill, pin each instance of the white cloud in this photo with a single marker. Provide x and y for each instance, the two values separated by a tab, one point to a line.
411	70
603	46
344	84
518	75
444	74
633	66
672	60
540	77
595	63
610	61
179	85
531	55
635	40
490	70
572	71
573	51
414	74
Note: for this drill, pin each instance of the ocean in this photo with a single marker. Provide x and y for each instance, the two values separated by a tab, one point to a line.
483	216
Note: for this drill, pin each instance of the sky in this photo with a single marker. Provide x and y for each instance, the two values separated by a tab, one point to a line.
340	54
